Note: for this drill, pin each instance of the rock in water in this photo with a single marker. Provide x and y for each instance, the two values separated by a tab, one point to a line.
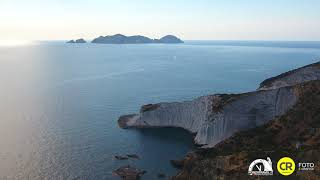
71	41
129	173
77	41
161	175
126	120
80	41
121	157
133	156
177	163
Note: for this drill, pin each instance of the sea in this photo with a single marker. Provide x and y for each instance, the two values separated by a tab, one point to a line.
59	102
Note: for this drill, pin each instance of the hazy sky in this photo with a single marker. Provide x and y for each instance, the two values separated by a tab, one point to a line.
189	19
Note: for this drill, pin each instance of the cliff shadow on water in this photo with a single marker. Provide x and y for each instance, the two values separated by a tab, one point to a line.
170	134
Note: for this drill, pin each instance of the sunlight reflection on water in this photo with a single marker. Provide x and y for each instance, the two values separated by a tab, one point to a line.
10	43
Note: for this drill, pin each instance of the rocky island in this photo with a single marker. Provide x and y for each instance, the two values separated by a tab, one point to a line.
77	41
282	117
138	39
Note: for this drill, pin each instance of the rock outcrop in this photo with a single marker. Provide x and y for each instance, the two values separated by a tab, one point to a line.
71	41
122	39
296	76
214	118
77	41
129	173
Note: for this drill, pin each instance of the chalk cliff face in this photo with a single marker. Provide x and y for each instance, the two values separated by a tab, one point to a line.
295	134
214	118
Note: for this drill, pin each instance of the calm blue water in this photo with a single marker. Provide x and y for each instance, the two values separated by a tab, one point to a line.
59	102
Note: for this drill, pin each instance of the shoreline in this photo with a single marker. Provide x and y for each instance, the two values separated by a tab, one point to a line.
283	88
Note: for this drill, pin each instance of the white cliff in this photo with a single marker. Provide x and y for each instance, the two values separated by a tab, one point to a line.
214	118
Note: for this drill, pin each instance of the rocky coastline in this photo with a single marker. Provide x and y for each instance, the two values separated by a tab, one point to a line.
295	134
225	124
214	118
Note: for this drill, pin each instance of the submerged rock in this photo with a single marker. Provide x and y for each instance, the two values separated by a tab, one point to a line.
121	157
161	175
134	156
129	173
177	163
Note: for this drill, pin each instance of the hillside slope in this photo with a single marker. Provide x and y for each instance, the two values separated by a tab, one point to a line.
295	134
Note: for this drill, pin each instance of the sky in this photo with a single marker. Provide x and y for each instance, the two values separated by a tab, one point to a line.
188	19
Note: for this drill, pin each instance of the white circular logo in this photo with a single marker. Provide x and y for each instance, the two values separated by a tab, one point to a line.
261	167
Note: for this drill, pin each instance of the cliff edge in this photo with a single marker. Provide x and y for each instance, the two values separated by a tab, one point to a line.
214	118
281	118
296	76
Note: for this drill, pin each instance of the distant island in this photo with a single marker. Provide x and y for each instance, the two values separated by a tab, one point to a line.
77	41
138	39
